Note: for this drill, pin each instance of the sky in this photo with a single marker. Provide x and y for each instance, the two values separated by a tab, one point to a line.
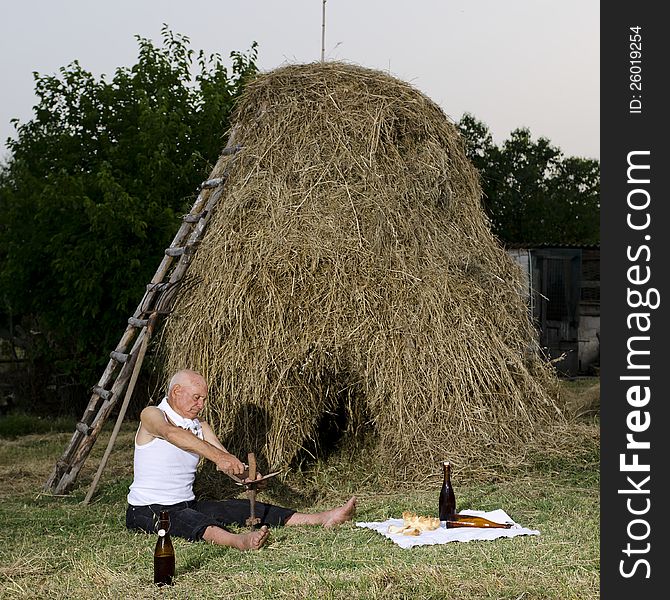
510	63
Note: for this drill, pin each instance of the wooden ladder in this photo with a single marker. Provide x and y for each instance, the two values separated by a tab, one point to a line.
125	360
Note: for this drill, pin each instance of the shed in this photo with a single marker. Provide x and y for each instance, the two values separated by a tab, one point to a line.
563	293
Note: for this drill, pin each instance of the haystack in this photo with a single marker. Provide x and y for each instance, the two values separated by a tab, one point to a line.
349	283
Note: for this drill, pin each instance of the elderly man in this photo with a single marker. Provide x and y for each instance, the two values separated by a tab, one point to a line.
169	444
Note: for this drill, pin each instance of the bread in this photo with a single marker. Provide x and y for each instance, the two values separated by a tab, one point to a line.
414	524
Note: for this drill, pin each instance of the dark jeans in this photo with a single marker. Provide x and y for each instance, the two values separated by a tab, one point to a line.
190	519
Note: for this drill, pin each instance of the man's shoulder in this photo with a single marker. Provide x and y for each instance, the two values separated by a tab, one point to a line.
151	411
152	422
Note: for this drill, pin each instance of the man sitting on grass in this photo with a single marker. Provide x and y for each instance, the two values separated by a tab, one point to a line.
169	444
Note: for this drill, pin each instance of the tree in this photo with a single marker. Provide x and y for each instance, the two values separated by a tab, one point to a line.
93	192
533	193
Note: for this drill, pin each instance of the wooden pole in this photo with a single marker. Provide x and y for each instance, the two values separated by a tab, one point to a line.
323	31
253	520
122	412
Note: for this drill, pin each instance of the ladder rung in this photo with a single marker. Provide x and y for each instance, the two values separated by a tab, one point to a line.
138	322
179	251
119	356
232	150
83	428
211	183
102	392
158	287
194	218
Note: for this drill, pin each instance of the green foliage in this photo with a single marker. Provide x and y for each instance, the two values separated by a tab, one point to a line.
93	191
534	194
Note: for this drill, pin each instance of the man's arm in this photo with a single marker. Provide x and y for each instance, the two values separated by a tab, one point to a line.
210	437
154	423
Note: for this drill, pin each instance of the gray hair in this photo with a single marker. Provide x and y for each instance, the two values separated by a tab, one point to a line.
182	377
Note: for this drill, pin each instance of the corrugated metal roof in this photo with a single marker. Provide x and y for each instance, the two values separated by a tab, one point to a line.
520	246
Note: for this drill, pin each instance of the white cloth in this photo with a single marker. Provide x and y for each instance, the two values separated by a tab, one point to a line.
164	473
191	424
458	534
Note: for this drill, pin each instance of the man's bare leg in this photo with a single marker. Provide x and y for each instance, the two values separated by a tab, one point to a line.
327	518
252	540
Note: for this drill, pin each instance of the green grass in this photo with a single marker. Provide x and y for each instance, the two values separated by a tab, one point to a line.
55	547
19	424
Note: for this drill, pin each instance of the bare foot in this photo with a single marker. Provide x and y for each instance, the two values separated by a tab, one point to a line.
253	540
341	514
327	518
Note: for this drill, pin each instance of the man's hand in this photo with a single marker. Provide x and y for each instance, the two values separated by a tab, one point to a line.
230	464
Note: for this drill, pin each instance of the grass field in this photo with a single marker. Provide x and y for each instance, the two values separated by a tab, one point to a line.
55	547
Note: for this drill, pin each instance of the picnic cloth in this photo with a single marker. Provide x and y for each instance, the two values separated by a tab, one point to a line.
442	535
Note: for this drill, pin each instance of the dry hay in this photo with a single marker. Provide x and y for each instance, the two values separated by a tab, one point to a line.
349	270
580	399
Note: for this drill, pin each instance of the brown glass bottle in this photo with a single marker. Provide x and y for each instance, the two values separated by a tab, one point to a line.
447	504
457	520
164	552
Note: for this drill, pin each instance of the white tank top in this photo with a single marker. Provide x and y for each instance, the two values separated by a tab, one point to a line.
164	473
